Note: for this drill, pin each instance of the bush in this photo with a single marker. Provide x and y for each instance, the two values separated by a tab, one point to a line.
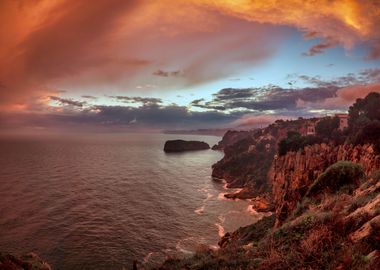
339	175
364	121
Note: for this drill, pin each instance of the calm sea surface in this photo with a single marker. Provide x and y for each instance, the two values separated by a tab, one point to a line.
99	202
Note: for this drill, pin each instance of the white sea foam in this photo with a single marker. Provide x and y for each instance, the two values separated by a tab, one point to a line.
147	257
220	229
214	247
200	210
234	212
179	246
225	185
259	215
222	218
221	196
232	191
251	210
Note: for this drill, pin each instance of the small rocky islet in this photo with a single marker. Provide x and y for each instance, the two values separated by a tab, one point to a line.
175	146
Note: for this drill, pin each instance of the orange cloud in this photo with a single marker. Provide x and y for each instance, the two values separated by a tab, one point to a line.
118	44
344	98
347	22
348	95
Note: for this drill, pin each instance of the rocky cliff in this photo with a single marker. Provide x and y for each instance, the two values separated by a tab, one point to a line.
248	156
246	163
292	174
336	227
338	230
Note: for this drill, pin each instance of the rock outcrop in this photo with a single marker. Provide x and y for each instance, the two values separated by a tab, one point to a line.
292	174
246	164
181	146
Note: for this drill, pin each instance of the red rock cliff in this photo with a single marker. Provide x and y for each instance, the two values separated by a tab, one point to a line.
292	174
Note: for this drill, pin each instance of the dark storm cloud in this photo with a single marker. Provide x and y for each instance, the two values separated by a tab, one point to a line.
146	116
197	101
372	75
321	47
263	99
142	100
366	76
161	116
66	101
89	97
162	73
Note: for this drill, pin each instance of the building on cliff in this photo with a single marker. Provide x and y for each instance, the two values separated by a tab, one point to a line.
309	127
343	120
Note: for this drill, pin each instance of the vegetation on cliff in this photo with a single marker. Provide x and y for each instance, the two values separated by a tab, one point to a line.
294	141
343	174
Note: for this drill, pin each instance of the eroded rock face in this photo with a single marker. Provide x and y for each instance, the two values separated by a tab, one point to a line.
292	174
181	146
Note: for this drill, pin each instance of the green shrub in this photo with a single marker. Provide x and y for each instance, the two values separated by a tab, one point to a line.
339	175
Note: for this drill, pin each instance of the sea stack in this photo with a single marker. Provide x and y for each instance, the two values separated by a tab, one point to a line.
173	146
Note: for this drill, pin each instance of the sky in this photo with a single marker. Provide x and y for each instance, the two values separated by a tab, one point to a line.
151	65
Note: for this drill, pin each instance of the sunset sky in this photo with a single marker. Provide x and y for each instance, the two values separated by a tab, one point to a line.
112	65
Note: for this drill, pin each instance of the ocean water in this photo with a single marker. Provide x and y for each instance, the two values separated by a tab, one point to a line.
102	201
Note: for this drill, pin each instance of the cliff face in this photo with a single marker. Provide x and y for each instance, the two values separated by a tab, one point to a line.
292	174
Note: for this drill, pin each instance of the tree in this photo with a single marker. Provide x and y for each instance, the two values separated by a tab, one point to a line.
325	127
294	141
363	111
364	121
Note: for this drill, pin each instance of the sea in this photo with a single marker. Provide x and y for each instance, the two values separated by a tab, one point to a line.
101	201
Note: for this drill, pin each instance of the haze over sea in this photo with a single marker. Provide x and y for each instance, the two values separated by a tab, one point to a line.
101	201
